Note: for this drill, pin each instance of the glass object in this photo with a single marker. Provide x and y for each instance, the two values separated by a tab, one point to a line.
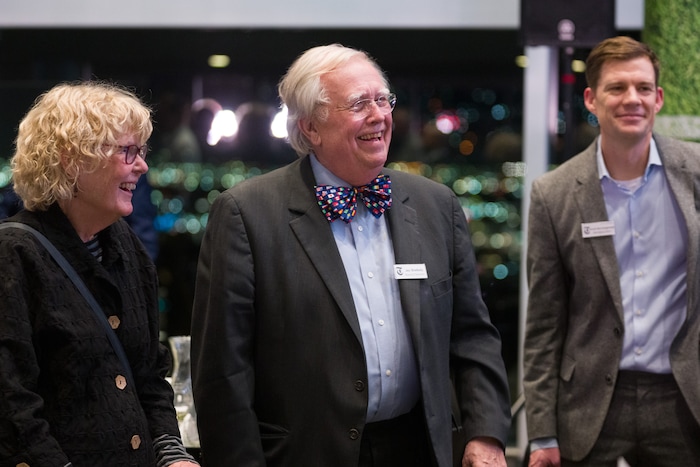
181	382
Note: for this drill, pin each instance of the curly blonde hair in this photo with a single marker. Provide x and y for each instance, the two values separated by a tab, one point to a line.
70	129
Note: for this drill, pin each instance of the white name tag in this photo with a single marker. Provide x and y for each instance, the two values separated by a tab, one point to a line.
598	229
410	271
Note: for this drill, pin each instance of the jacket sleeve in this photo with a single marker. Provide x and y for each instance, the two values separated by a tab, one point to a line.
223	320
479	372
24	434
546	323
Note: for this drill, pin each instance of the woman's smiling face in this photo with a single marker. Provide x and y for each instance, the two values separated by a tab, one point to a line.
104	195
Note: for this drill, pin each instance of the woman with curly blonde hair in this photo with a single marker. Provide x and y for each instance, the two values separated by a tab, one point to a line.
72	394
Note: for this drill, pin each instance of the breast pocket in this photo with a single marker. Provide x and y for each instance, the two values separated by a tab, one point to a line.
442	287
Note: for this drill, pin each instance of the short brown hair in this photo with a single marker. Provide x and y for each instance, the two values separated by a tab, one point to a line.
620	48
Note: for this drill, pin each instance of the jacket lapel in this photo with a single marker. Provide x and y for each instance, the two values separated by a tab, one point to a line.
403	227
316	238
591	206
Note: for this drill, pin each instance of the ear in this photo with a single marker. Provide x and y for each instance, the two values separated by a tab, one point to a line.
309	129
65	164
659	98
589	100
64	160
69	166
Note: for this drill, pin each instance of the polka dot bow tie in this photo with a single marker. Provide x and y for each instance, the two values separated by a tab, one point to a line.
340	202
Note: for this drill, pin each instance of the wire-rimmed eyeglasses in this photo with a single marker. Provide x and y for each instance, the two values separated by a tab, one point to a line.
361	108
131	151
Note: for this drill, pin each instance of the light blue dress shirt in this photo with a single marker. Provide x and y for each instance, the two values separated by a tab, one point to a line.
367	252
651	241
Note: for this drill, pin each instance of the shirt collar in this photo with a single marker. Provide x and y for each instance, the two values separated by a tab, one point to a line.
654	159
324	176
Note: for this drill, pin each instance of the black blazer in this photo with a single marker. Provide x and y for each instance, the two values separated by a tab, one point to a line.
278	365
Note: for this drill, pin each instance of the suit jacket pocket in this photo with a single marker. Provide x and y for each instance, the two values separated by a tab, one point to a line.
442	287
274	439
566	370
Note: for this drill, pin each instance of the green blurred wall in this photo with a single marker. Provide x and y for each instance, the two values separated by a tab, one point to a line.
672	29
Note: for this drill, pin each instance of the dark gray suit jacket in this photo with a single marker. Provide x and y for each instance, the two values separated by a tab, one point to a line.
575	321
278	365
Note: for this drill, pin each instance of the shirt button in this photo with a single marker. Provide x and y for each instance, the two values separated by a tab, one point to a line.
639	273
135	442
370	275
388	372
638	351
360	228
354	434
120	381
114	321
381	322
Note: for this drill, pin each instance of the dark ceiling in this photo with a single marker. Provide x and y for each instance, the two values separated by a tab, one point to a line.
164	60
26	52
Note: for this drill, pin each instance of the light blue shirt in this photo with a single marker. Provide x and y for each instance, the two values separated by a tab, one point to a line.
367	252
651	241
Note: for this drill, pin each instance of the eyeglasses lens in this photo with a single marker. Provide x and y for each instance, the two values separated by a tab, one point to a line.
132	151
385	104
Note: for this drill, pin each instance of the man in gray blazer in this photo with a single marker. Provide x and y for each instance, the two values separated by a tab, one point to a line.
612	358
329	315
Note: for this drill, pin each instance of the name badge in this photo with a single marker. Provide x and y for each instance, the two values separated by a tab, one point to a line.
597	229
410	271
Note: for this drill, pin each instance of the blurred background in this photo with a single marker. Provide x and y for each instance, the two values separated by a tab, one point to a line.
458	120
210	71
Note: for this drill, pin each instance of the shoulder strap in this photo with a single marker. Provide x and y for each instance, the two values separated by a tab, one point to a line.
80	285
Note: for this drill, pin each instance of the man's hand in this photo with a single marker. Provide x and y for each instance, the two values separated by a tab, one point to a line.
482	452
547	457
184	464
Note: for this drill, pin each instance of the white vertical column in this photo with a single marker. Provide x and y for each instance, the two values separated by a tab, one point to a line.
540	107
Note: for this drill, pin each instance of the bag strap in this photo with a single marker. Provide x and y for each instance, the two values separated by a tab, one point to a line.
80	285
